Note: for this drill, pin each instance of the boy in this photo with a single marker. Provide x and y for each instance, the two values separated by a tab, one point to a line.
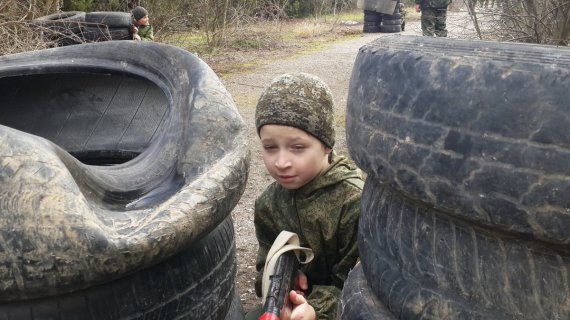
141	30
316	193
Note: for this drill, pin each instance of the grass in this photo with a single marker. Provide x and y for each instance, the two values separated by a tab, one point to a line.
246	46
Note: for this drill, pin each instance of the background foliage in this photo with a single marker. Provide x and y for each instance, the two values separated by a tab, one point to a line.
207	26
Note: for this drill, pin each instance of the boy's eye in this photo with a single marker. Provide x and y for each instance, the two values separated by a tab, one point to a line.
269	147
298	147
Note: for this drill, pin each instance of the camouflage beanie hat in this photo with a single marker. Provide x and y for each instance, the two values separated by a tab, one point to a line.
298	100
139	12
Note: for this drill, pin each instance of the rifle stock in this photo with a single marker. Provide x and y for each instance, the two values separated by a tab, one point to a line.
277	305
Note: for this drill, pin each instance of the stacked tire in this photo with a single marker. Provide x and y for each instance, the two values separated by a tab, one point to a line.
395	22
386	23
118	175
372	21
464	212
62	28
76	27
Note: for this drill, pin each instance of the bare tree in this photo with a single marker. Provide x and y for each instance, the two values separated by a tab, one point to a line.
532	21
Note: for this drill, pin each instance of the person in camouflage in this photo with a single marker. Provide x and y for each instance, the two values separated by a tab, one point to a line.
434	16
141	29
316	193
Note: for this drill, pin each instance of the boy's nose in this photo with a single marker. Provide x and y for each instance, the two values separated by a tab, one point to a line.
282	161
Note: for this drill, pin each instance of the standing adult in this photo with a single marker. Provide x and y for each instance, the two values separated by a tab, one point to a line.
434	15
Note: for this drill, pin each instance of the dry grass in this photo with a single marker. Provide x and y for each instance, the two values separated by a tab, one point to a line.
246	42
264	42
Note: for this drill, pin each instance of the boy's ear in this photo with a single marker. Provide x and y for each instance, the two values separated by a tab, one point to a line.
327	149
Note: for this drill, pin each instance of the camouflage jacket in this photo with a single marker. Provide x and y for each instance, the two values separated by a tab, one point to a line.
324	213
434	3
146	33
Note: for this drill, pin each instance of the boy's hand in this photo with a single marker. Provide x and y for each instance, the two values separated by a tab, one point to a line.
302	310
418	8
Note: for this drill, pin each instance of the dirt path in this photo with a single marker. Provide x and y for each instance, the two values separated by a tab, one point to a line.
333	65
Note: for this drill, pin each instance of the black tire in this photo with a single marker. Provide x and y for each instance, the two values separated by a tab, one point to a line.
371	29
390	28
236	309
394	16
162	112
60	25
424	264
358	302
466	154
375	18
392	22
198	283
371	24
102	33
110	19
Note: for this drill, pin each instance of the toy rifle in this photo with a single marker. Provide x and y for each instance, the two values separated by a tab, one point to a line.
277	305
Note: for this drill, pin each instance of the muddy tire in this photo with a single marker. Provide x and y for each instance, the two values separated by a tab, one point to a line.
465	127
182	163
424	264
358	301
197	284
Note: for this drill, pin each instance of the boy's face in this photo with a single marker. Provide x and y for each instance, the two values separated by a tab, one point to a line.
142	21
292	156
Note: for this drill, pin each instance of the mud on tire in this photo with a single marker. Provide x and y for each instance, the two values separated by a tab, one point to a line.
475	129
421	262
358	301
196	284
116	163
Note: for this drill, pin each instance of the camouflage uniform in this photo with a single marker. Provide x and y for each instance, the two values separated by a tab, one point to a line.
146	33
324	213
434	15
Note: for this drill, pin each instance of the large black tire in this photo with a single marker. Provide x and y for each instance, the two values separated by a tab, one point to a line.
425	265
111	19
475	129
67	225
198	283
103	33
358	302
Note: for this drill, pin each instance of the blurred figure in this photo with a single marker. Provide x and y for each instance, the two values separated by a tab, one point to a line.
142	30
434	15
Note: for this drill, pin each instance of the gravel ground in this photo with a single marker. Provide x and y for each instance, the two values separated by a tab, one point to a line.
332	64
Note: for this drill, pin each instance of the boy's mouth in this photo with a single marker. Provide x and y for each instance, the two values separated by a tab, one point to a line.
286	177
